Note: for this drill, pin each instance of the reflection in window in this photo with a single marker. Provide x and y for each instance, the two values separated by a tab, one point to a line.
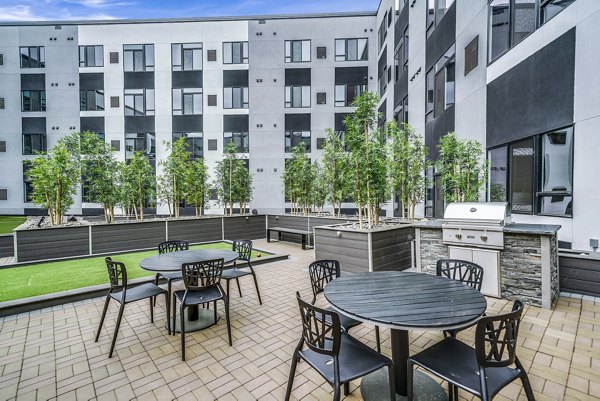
351	49
345	94
235	53
521	176
138	58
139	102
498	174
524	20
297	51
140	142
187	101
186	56
297	96
295	138
33	57
91	56
551	8
195	142
33	143
91	100
510	22
555	196
240	139
235	98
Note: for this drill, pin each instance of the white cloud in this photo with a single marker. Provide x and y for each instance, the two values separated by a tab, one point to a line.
19	13
100	3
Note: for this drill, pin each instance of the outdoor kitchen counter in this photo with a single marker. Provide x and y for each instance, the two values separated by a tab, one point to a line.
528	263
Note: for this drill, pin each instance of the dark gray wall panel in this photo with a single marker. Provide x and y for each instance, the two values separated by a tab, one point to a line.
33	125
235	123
92	124
235	78
535	96
196	230
437	128
52	243
382	63
135	124
297	76
128	236
443	36
400	25
250	227
351	75
7	246
392	249
139	80
297	122
351	249
579	275
188	123
187	79
91	81
33	81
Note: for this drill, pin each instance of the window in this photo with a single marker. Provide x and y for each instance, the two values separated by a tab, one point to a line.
550	8
27	186
138	57
429	90
297	51
439	85
510	21
382	79
401	56
91	100
297	96
345	94
186	56
382	33
140	142
351	49
321	98
187	101
33	100
33	57
195	142
521	176
321	52
235	53
139	102
498	174
91	56
295	138
2	146
240	139
235	98
33	143
436	9
401	114
555	188
2	103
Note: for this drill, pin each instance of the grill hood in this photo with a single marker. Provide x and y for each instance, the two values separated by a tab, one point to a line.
480	213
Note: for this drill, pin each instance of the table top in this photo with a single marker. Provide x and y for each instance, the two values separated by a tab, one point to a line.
172	261
406	301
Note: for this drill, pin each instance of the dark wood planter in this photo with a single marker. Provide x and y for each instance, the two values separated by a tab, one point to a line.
7	246
579	272
304	223
364	250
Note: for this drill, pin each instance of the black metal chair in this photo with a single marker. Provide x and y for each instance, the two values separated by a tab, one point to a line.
117	274
484	370
322	272
165	247
202	286
244	250
333	353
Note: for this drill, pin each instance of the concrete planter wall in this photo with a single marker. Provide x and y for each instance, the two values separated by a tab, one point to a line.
362	250
580	273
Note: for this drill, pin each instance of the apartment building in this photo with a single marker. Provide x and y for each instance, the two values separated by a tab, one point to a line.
519	76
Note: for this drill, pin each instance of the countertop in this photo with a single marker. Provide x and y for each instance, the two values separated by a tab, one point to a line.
515	228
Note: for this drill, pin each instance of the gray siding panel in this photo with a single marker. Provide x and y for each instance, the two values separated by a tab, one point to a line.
196	230
52	243
351	250
129	236
7	246
250	227
392	249
579	275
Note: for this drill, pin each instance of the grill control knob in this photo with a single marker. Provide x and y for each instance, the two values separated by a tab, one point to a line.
484	238
458	236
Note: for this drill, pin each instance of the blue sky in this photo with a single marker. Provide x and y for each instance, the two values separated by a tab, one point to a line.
35	10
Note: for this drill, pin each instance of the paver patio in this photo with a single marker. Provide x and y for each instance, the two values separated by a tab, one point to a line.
51	353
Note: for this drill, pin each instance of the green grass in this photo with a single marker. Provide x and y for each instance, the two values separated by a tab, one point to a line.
50	277
8	223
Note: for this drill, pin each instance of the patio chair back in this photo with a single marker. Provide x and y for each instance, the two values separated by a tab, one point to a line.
173	246
321	328
243	249
206	273
322	272
496	338
466	272
117	274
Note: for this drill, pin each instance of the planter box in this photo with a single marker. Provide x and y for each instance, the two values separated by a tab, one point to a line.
244	227
196	230
125	236
51	243
304	223
363	250
579	273
7	246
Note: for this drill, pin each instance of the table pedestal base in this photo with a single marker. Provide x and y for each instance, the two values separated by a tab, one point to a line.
206	318
374	387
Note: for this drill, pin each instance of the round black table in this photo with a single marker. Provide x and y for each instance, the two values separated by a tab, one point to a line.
403	301
197	318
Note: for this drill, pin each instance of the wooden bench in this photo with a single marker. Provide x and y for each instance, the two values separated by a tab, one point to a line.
281	230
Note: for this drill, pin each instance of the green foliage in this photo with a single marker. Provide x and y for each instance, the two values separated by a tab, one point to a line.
298	180
54	177
407	164
319	187
172	181
138	185
233	181
196	182
336	173
462	168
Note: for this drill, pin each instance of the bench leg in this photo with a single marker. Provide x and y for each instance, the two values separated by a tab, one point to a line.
303	242
268	235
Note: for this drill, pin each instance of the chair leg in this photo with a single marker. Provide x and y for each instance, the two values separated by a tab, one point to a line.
182	323
114	340
237	280
455	393
152	302
378	339
288	392
409	380
174	314
451	392
346	388
483	383
527	386
336	393
156	283
226	301
256	285
103	316
392	380
168	308
227	281
215	310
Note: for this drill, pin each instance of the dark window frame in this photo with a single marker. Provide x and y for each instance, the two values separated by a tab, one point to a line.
144	93
84	96
289	137
84	59
510	34
244	52
27	62
41	101
245	97
344	57
346	101
432	20
140	143
244	138
290	44
144	50
42	141
193	141
183	93
290	104
179	65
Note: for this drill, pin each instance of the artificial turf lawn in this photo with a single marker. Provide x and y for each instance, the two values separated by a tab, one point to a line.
50	277
8	223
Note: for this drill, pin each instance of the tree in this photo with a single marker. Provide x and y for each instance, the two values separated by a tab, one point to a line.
233	181
364	142
172	182
138	184
197	185
462	168
242	184
298	179
319	187
336	171
101	173
54	177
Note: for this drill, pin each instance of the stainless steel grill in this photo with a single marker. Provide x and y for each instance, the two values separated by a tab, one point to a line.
476	224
